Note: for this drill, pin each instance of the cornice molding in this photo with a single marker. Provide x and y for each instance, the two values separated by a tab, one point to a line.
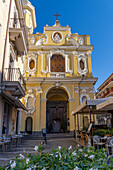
69	48
66	80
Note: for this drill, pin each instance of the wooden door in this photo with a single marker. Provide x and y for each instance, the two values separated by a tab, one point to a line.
56	116
29	125
57	63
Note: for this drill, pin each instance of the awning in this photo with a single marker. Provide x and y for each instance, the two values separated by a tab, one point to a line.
14	100
106	106
88	104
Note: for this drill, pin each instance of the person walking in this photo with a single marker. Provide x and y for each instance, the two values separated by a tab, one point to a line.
44	135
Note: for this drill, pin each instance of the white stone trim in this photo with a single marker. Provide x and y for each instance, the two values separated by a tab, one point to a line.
32	56
57	41
42	40
57	52
84	58
49	28
64	87
30	94
38	89
84	93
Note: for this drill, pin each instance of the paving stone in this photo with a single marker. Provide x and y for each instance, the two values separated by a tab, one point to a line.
28	147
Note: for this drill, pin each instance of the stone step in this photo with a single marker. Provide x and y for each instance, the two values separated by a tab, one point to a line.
49	136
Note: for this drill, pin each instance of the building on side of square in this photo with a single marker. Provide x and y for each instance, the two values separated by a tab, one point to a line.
13	48
105	90
58	77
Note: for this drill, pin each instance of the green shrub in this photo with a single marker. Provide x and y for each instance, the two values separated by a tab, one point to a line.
61	159
102	132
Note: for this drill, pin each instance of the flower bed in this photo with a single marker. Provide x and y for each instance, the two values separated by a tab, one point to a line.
61	158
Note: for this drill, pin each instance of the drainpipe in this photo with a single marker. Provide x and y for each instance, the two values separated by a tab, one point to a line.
41	101
79	91
6	37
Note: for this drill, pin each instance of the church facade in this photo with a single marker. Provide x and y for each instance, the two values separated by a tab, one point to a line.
58	78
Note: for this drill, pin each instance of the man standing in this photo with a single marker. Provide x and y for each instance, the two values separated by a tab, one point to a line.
44	135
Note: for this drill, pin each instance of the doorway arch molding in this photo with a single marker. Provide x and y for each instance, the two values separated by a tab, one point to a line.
61	87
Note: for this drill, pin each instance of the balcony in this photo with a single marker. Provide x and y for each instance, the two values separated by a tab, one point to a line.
14	82
18	35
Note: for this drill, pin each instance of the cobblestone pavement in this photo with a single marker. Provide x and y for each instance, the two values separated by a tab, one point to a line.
28	147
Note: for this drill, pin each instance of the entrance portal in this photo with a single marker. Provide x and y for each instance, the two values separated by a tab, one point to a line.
56	115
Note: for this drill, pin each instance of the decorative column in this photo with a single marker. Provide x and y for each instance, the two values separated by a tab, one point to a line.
18	120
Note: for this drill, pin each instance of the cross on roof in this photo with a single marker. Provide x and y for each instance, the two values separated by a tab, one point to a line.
56	15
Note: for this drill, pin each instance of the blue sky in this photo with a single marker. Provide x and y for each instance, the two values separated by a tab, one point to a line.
94	17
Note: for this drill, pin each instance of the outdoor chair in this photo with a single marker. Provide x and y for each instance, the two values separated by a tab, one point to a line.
87	140
97	142
1	146
78	135
7	143
109	146
82	138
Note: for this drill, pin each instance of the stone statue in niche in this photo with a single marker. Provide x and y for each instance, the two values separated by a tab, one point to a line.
29	103
57	37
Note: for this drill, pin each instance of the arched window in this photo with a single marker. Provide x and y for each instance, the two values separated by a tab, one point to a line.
82	65
31	64
57	63
84	98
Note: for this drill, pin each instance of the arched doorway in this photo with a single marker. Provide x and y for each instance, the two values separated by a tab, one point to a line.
29	125
57	110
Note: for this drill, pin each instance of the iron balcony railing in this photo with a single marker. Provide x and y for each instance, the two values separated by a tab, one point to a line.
19	23
14	74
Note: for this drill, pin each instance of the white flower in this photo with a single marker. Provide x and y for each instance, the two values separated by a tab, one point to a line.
60	156
44	168
28	169
13	165
56	156
76	168
36	148
70	147
86	155
78	145
91	156
27	160
22	156
10	161
74	153
88	150
80	150
59	147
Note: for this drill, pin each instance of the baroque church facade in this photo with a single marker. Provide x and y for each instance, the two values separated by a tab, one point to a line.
58	76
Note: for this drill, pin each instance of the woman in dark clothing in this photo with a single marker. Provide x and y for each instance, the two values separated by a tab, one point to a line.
3	129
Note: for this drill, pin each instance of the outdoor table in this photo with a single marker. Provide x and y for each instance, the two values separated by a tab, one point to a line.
14	140
19	139
7	143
